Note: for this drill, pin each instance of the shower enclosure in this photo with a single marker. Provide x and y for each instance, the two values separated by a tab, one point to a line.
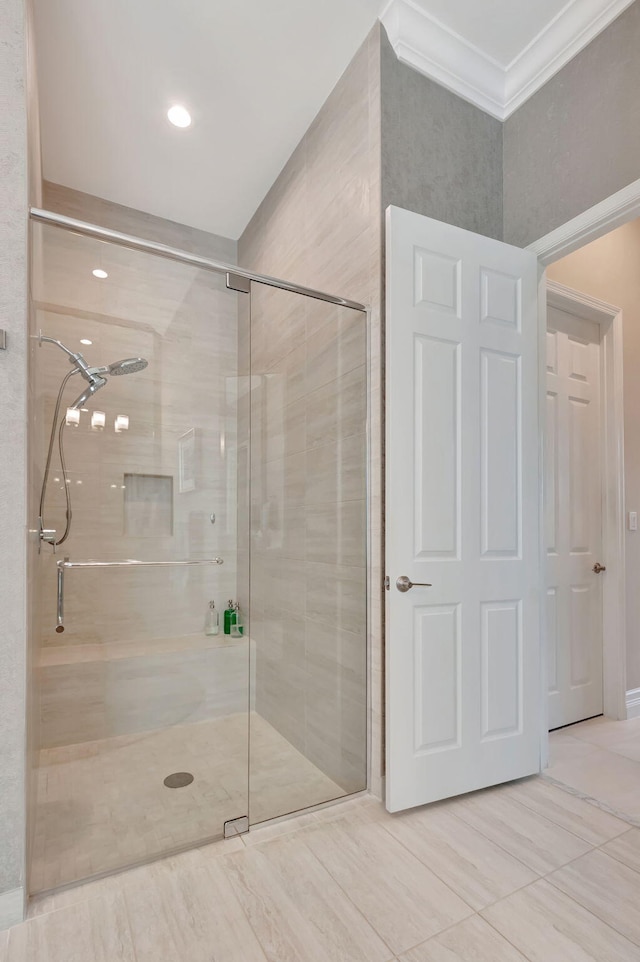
230	468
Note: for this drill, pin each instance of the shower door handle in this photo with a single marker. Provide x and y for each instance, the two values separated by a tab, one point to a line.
405	584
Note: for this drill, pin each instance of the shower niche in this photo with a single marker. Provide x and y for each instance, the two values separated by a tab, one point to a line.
272	384
148	505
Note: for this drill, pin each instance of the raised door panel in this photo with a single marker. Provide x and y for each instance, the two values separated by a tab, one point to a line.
579	479
500	468
501	672
437	696
551	474
437	483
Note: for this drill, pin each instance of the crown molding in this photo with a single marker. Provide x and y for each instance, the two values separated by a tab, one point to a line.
424	43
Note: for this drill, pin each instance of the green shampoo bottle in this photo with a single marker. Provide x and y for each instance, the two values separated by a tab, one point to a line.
229	618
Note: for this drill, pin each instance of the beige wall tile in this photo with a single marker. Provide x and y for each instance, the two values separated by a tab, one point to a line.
320	226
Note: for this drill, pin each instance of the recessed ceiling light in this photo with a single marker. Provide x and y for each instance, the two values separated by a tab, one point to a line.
179	116
99	273
85	340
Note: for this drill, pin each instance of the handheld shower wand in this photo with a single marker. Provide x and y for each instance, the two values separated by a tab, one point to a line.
96	380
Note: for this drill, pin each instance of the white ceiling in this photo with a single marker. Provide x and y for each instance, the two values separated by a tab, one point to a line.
254	74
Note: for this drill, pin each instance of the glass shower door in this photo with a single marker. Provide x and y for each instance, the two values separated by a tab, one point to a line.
143	708
308	550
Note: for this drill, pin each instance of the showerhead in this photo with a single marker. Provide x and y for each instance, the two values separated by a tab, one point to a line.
94	375
130	365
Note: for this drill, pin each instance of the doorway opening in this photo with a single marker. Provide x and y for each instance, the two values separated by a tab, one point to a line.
592	293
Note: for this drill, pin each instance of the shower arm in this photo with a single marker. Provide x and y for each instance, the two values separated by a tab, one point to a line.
66	563
75	358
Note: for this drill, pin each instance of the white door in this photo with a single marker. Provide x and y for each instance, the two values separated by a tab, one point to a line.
573	519
463	675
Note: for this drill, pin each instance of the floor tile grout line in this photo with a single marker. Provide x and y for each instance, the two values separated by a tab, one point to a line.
263	948
448	884
549	818
356	907
615	857
597	848
502	935
551	822
326	871
631	820
437	935
594	914
516	857
476	914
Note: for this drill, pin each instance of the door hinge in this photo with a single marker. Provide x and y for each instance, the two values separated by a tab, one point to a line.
387	583
236	826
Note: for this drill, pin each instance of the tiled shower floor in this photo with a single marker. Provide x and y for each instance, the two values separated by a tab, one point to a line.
102	805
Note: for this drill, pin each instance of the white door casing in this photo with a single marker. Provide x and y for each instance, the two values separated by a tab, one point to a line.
573	518
463	702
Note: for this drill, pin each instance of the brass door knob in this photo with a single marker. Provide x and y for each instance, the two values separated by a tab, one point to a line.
597	568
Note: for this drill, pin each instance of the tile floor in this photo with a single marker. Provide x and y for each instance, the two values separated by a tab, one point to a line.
600	758
526	872
102	805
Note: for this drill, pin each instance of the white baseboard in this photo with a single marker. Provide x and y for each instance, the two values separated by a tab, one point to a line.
11	908
633	703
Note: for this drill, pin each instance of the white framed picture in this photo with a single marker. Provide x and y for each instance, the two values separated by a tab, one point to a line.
187	461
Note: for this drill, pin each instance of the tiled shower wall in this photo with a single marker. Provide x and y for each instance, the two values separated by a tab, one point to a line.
319	225
134	656
308	527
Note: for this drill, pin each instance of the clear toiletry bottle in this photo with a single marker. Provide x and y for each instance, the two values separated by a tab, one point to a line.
212	620
237	628
229	618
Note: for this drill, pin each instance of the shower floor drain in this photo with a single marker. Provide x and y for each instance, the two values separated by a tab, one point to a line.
178	779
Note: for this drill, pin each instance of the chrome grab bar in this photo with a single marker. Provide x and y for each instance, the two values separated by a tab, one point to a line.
66	563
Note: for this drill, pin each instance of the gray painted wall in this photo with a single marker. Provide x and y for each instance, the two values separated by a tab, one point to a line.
13	318
577	140
441	156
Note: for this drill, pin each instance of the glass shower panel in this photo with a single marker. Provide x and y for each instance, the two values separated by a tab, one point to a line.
308	551
135	696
